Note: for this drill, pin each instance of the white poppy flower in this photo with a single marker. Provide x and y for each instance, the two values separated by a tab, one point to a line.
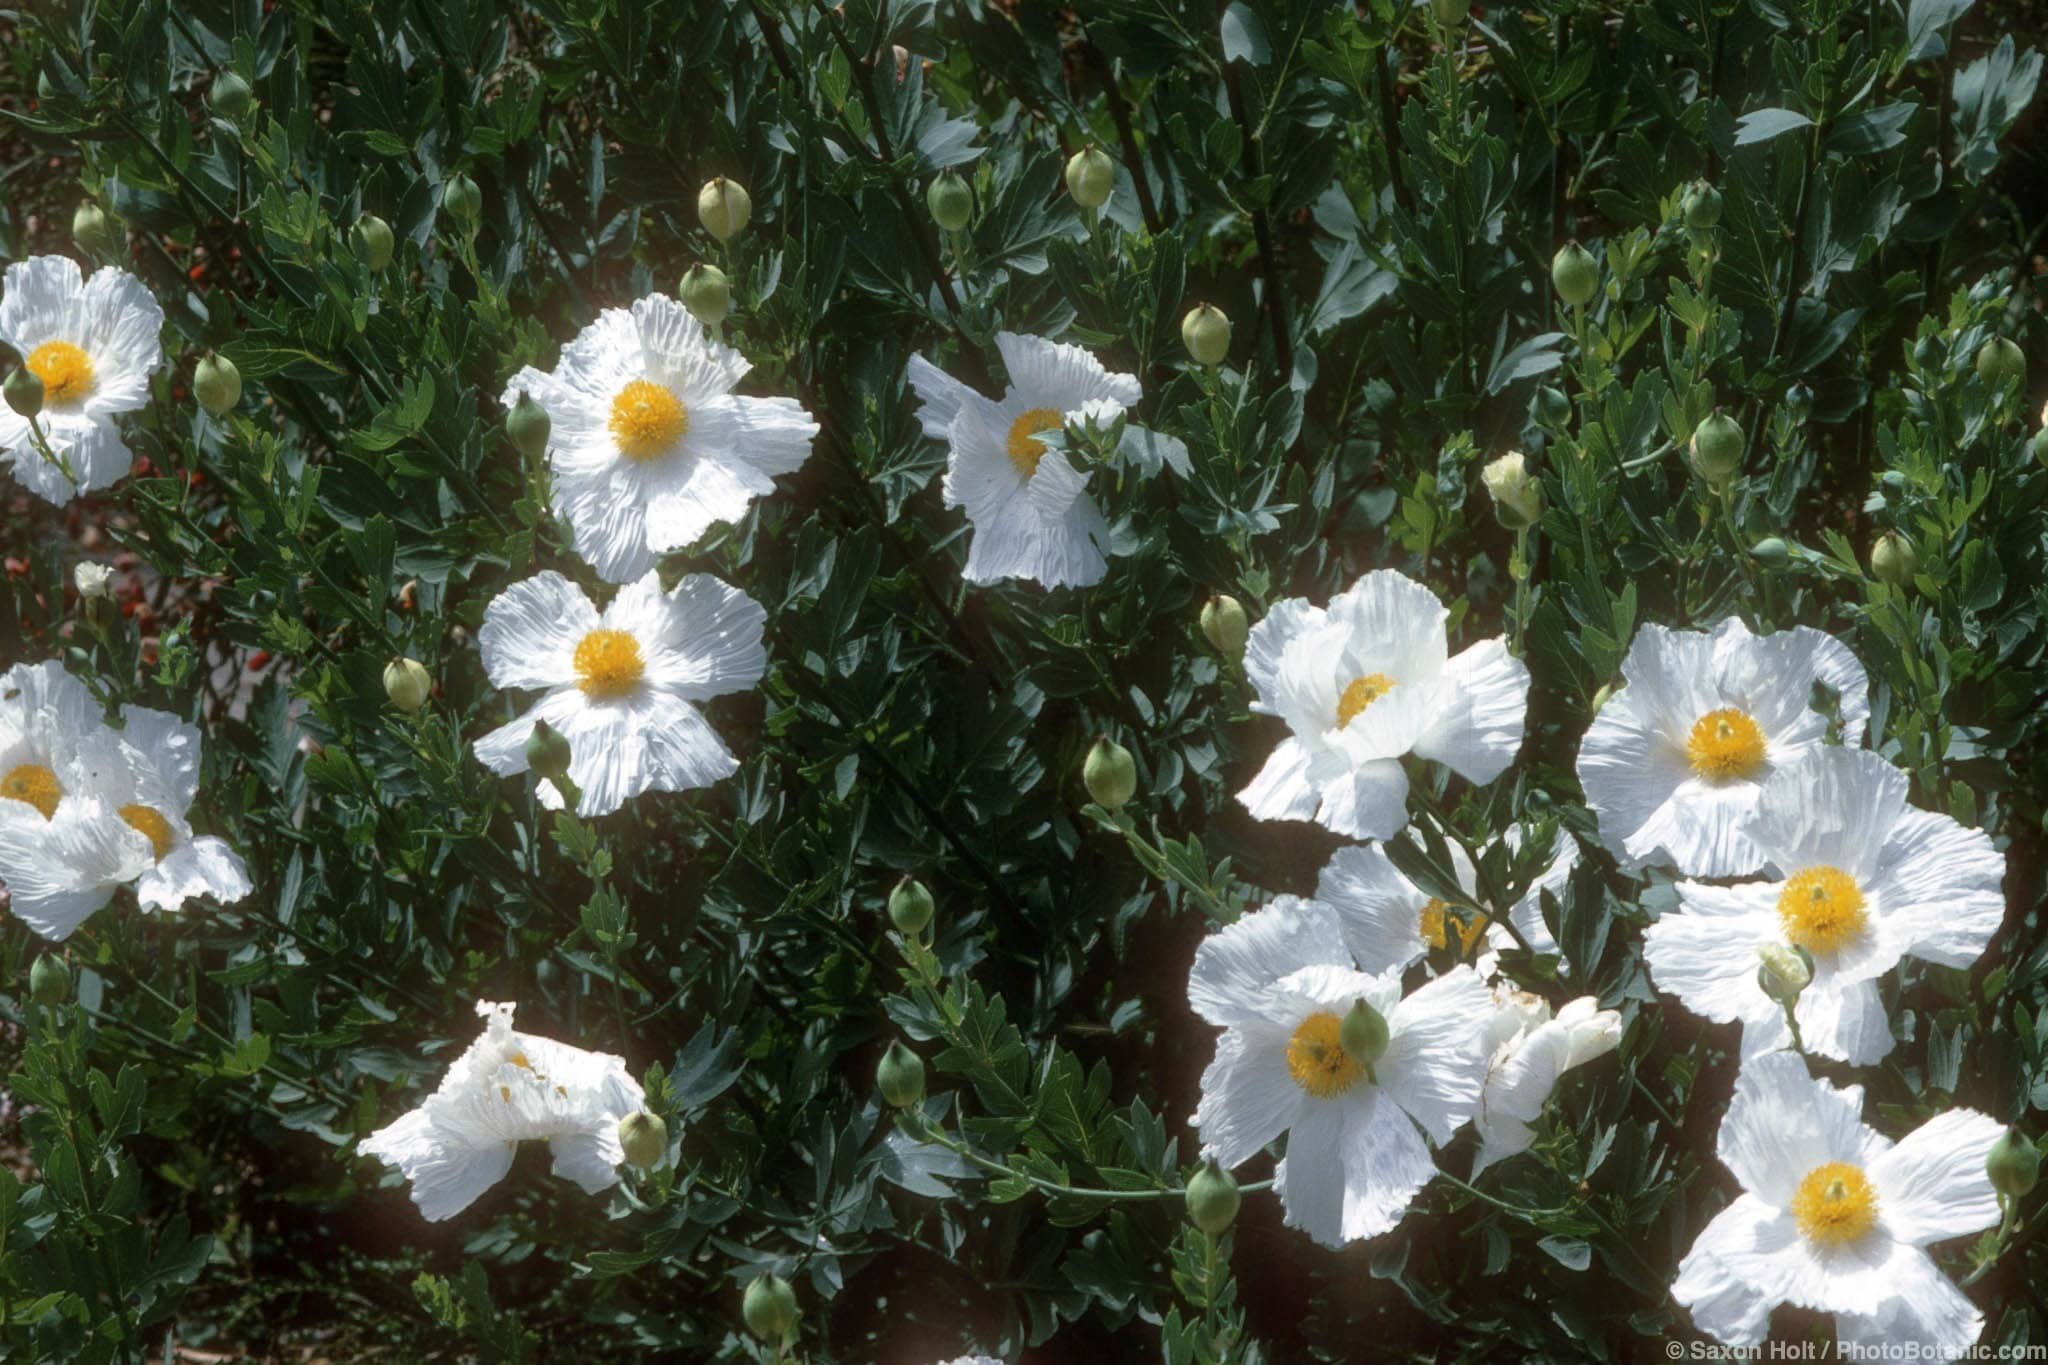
63	852
1364	682
148	775
1674	761
621	685
1279	982
508	1088
1389	921
1834	1217
1028	506
1530	1051
92	809
94	344
648	445
1863	880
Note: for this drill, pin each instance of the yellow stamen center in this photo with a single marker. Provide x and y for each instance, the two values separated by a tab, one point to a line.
1361	693
66	371
1440	928
1834	1205
647	420
1724	745
1024	448
35	784
1317	1060
152	826
608	663
1822	908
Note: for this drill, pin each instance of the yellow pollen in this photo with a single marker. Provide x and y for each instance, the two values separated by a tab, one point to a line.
1361	693
518	1059
1440	928
35	784
1834	1205
152	826
1822	908
609	664
647	420
1024	448
65	370
1725	744
1317	1060
505	1093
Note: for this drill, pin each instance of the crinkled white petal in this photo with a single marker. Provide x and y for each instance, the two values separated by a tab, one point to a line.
1435	1063
59	871
1478	735
1237	966
1783	1122
1249	1097
1353	1166
531	630
1931	1185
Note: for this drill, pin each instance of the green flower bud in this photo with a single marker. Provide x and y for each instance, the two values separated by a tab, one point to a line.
1702	207
216	383
644	1137
1517	494
707	294
547	752
1893	559
92	229
951	200
1717	447
723	207
1363	1034
408	684
528	425
1602	697
462	200
1091	176
900	1076
1575	274
1449	13
1553	409
910	907
1999	360
1785	972
1212	1198
372	242
1771	552
24	391
231	97
49	980
1109	774
1205	331
2014	1164
2041	446
770	1308
1224	625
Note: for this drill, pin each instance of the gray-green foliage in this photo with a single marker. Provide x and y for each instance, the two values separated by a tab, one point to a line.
1375	200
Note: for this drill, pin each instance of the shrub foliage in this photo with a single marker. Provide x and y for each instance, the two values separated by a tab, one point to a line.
1374	197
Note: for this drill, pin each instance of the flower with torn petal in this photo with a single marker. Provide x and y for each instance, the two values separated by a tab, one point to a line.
1863	880
622	685
1280	984
1673	762
94	344
1361	684
1027	503
649	445
1835	1218
507	1088
1530	1051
